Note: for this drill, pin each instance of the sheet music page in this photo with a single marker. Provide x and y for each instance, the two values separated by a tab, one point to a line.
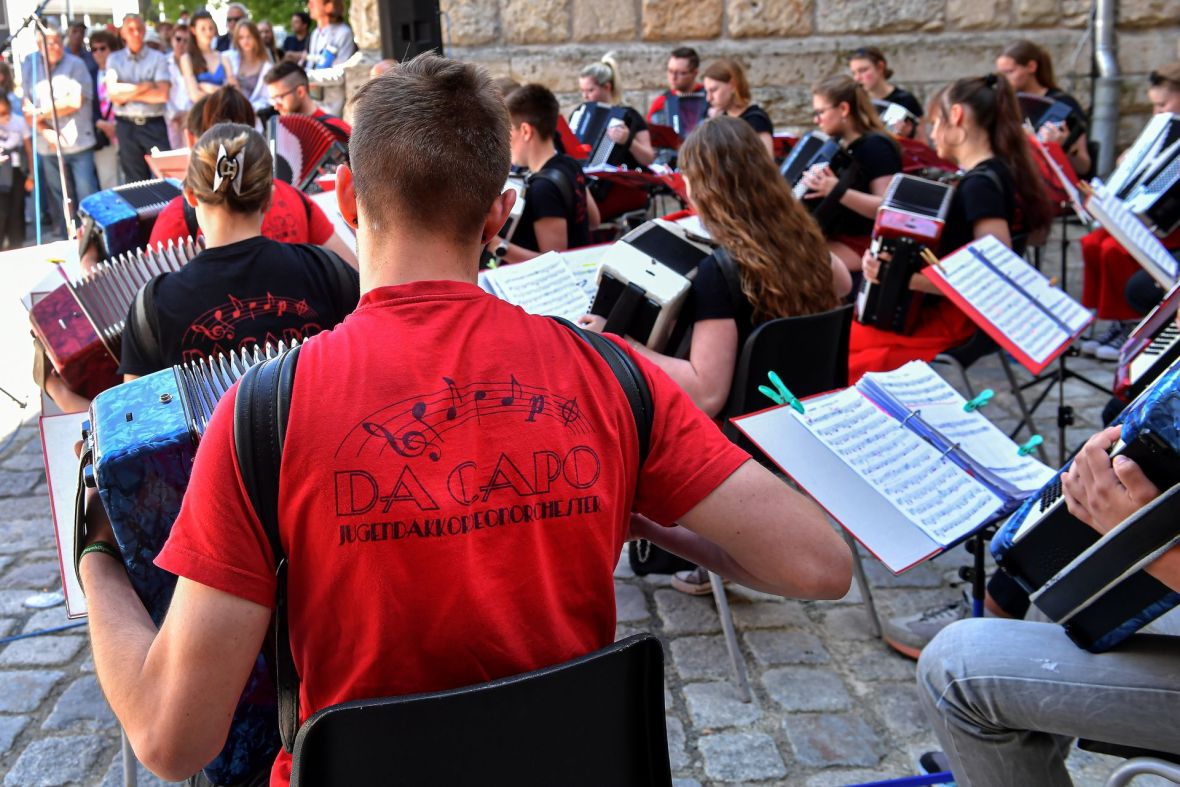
58	435
921	390
1134	236
1012	297
935	494
584	263
542	285
1146	145
328	204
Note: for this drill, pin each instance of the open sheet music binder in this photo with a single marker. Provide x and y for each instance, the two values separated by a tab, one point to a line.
1133	235
1011	301
899	462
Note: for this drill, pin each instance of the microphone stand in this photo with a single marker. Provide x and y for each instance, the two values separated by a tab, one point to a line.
61	166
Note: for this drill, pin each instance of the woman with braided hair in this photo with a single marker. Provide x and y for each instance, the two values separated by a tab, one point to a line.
243	289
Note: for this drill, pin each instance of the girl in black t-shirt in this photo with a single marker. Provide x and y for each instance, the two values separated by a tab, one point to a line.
843	111
975	123
868	67
243	289
728	93
1029	69
599	83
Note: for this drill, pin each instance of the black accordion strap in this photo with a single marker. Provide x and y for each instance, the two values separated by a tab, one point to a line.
260	424
559	179
346	283
143	310
631	379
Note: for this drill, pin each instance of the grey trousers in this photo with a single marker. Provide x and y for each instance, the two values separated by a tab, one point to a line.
1007	697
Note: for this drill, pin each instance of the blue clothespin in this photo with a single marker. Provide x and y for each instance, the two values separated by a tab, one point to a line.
780	394
1031	445
979	401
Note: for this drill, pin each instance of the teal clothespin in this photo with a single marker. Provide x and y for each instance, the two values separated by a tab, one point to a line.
979	401
780	394
1031	445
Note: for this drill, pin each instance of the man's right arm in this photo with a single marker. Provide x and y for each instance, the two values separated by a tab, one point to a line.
764	534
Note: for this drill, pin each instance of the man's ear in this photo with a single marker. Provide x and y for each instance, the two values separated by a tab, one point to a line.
497	215
346	195
190	197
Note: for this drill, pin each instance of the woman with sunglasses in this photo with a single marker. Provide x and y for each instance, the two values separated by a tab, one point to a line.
842	110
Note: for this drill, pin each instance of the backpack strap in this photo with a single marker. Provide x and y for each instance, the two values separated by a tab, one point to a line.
260	424
558	179
346	282
190	218
630	378
143	312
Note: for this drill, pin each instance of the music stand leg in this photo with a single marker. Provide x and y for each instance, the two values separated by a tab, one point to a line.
1018	394
735	654
862	582
978	577
130	764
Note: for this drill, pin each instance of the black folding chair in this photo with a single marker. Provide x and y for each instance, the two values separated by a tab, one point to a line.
596	720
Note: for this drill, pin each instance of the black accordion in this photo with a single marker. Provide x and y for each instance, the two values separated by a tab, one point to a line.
590	123
817	149
910	220
1147	178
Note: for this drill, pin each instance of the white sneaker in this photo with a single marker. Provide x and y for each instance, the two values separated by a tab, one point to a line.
1091	345
1109	350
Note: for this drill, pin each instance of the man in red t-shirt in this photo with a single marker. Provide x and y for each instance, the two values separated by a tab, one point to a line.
684	92
453	499
289	89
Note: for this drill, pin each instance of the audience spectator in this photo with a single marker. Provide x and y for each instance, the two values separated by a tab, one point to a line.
106	155
15	155
179	100
236	12
268	41
330	44
76	46
248	63
295	44
137	83
73	100
201	65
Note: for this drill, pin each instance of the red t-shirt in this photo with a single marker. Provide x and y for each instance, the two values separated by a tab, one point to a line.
453	502
292	218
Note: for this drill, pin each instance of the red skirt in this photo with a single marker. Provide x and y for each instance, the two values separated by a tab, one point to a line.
1106	268
941	327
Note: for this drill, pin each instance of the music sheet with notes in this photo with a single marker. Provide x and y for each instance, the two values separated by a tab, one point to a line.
1011	301
891	489
1133	236
543	285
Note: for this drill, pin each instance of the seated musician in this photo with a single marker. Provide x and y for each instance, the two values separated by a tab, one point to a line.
558	211
772	246
1029	69
976	124
244	287
1113	282
728	92
1006	697
843	111
683	66
599	83
289	92
871	72
425	203
291	217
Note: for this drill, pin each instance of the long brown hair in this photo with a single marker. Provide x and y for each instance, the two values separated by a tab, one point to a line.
992	103
748	208
843	89
730	71
194	49
1024	52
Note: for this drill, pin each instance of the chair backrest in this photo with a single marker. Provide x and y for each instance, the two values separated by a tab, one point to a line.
809	353
596	720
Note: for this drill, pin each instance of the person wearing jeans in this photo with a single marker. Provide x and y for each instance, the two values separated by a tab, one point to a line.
138	82
1006	697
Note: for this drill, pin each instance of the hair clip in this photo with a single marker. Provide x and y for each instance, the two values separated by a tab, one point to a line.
230	169
991	80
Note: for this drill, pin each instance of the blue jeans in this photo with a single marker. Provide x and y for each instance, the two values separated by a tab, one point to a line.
81	180
1007	697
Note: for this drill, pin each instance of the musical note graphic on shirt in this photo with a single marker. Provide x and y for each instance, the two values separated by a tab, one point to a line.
244	321
418	425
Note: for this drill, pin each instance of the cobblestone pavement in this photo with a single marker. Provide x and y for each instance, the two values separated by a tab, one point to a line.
832	704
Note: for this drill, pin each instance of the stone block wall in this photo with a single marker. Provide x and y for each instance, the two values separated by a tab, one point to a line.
786	45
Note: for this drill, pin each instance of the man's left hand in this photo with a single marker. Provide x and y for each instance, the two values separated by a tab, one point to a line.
1101	492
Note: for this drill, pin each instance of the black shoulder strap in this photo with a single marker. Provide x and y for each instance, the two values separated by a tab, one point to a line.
260	424
630	378
306	209
346	283
190	218
732	275
143	312
558	179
